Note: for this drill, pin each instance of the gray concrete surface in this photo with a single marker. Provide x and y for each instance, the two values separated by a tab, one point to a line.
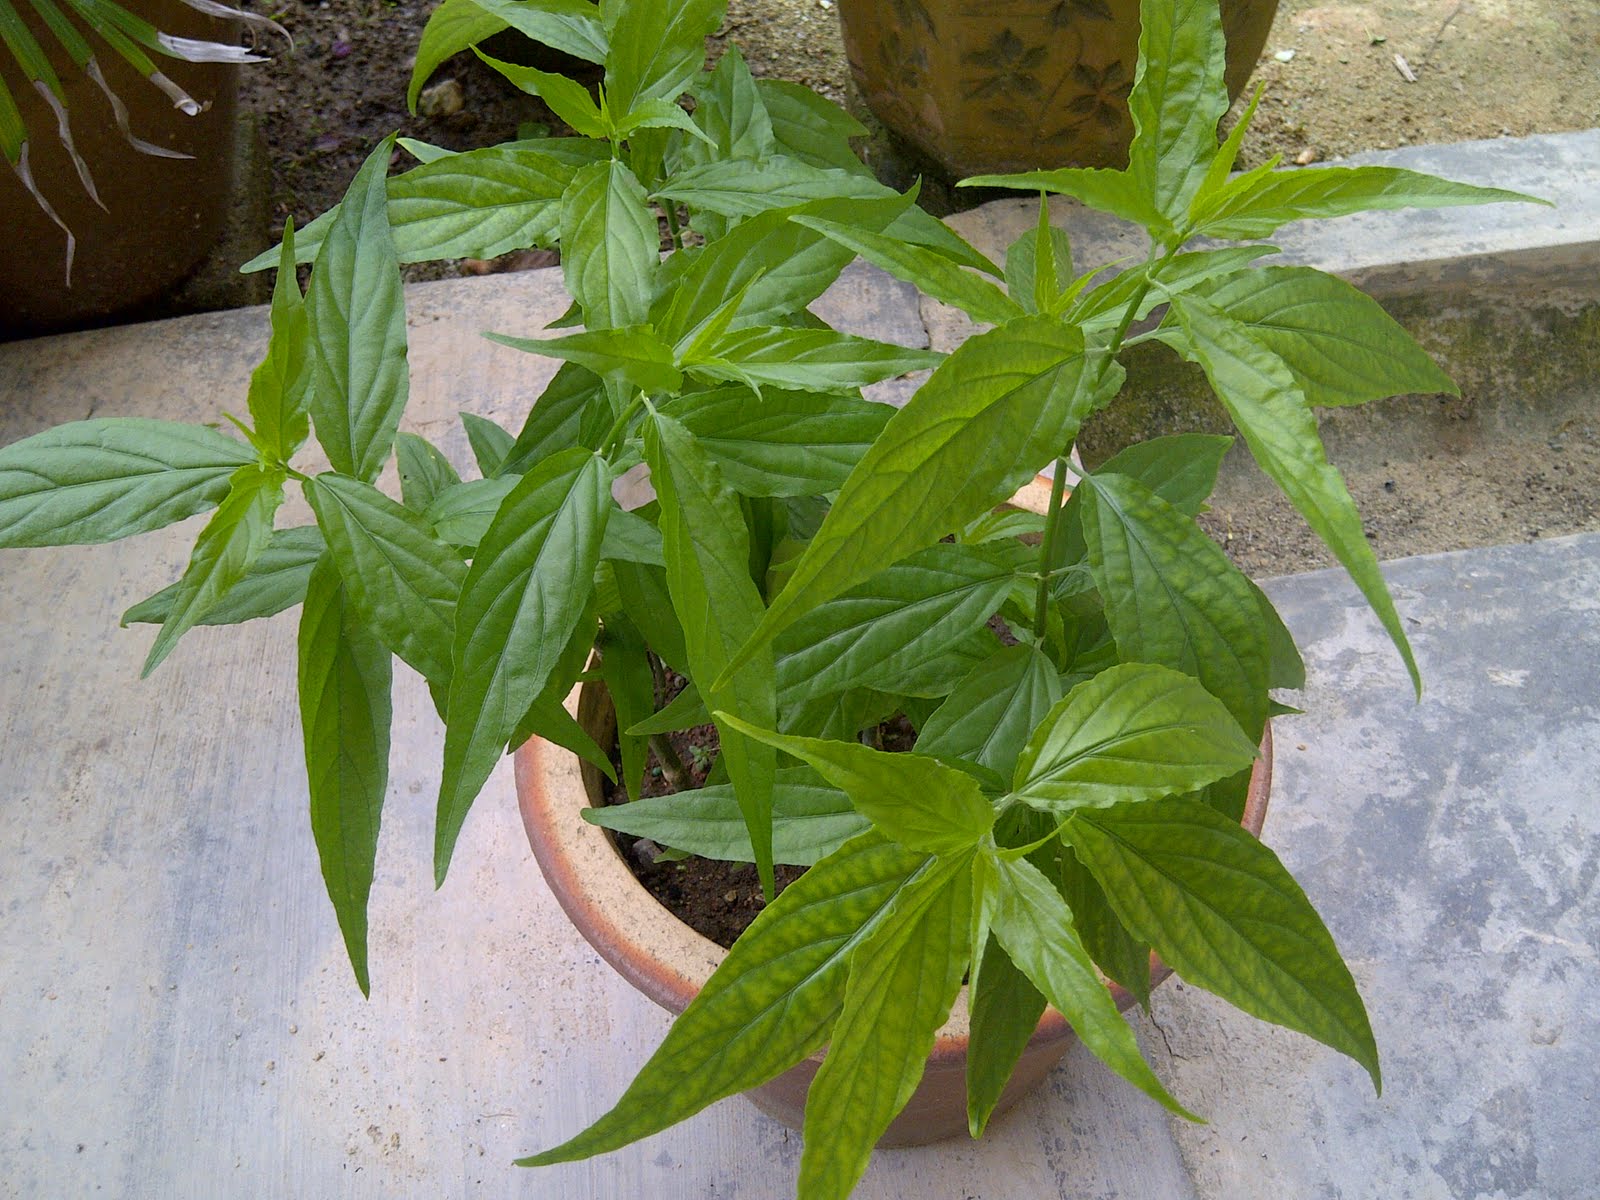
177	1020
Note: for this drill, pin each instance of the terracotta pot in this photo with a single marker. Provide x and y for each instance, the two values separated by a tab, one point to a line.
161	215
1015	85
670	962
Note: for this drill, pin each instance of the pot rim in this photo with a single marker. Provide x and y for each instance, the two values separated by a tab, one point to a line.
657	953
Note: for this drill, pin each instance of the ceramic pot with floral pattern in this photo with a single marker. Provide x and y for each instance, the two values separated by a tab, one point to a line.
1013	85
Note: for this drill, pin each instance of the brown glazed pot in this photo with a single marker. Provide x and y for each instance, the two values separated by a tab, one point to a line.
1014	85
161	215
670	962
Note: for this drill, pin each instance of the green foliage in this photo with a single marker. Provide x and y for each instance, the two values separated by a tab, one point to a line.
814	563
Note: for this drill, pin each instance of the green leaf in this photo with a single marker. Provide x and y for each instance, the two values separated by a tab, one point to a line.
707	549
931	272
635	355
1178	97
906	615
990	417
1172	597
276	580
356	304
95	481
610	246
683	711
1133	732
1339	344
773	1000
1227	154
625	667
810	127
453	27
1033	924
231	541
815	359
1284	667
1181	469
654	114
1113	948
574	27
1005	1009
1115	192
399	577
1221	909
567	98
1104	306
280	386
1035	290
345	677
992	712
779	266
1260	393
462	513
490	443
477	204
781	443
1254	207
557	419
632	538
915	800
903	980
646	600
730	109
657	49
810	820
525	593
424	471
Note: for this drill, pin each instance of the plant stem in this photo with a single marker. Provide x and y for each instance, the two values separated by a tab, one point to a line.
1052	520
619	428
672	768
671	209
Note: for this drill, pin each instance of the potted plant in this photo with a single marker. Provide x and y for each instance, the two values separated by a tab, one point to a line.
105	149
810	563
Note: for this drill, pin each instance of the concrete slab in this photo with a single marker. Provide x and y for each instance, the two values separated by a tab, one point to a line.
177	1019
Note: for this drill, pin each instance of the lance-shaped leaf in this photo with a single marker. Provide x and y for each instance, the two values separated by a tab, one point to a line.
276	580
490	443
1181	469
556	421
902	983
424	471
453	27
988	419
463	512
931	272
279	387
636	355
1133	732
1260	394
400	577
771	1002
1115	951
1104	305
1005	1009
1115	192
631	538
810	820
730	109
993	711
1338	342
1178	97
777	266
657	50
520	602
1221	909
610	246
1034	289
358	328
1034	926
1254	206
345	677
781	443
567	98
1172	597
626	671
476	204
223	554
810	127
109	478
918	801
575	27
707	550
811	359
905	615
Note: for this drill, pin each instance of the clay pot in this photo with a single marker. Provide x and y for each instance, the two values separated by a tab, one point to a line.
161	215
1012	86
670	962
